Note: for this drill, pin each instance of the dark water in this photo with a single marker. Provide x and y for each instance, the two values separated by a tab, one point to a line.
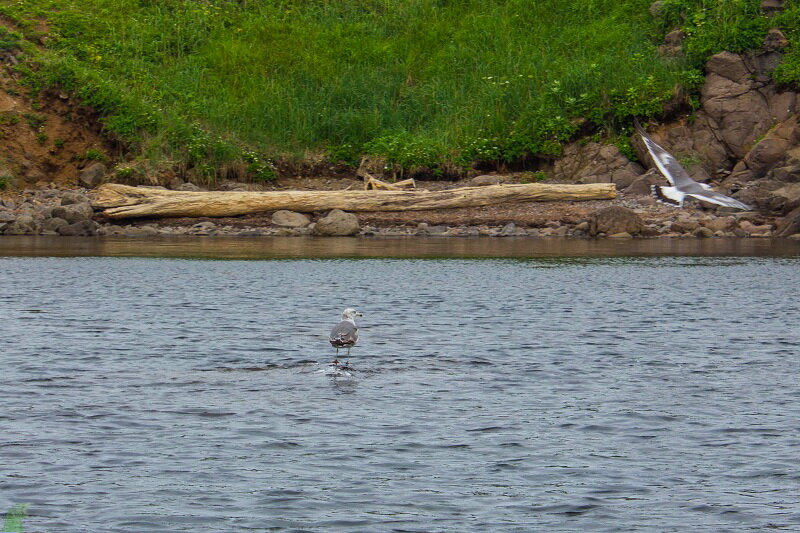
613	394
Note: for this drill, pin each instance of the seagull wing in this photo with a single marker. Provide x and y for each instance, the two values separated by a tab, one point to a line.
666	163
344	334
720	199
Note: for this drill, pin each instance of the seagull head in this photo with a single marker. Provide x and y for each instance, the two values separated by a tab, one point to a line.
350	314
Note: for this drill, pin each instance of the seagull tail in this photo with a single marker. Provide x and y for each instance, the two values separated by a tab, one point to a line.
668	195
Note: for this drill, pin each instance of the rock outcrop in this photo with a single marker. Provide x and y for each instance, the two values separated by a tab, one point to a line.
596	163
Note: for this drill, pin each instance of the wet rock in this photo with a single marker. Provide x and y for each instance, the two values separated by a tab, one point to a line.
93	175
789	225
615	219
509	230
144	231
290	219
337	222
23	225
84	228
53	224
703	233
486	179
582	226
650	231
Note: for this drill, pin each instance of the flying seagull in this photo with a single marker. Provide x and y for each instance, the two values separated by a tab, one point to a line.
682	184
345	333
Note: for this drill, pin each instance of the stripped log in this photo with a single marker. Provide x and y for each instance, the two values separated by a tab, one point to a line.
123	201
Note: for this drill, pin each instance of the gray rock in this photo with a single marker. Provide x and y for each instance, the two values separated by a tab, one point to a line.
190	187
7	216
684	225
144	231
73	197
73	213
53	224
615	219
673	43
290	219
23	225
337	222
596	163
84	228
509	230
703	232
438	230
93	175
789	225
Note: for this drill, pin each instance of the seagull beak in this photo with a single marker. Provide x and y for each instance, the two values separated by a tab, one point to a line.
359	314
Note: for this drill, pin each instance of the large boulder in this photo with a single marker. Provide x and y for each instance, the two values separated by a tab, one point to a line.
769	152
642	185
790	224
23	225
73	213
337	223
615	219
93	175
84	228
596	163
290	219
73	197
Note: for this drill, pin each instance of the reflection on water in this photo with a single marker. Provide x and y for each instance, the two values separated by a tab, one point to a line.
409	247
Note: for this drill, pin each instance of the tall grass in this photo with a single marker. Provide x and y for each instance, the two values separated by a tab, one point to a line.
424	82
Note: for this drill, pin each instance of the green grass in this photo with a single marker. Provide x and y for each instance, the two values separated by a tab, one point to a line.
222	86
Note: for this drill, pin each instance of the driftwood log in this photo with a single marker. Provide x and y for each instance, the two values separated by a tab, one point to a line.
123	201
376	184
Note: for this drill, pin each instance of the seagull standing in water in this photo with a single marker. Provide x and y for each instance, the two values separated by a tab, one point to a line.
345	333
682	184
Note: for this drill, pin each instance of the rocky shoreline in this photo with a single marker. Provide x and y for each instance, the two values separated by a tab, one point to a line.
69	212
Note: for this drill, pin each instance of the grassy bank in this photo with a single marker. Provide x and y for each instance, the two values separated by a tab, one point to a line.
223	86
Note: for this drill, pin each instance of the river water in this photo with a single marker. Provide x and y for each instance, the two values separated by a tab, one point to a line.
543	390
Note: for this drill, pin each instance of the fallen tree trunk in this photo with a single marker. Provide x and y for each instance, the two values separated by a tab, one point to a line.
123	201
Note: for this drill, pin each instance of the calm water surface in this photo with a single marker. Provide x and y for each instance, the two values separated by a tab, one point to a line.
560	394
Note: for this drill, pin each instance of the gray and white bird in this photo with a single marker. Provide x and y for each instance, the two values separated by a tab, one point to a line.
345	333
682	184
